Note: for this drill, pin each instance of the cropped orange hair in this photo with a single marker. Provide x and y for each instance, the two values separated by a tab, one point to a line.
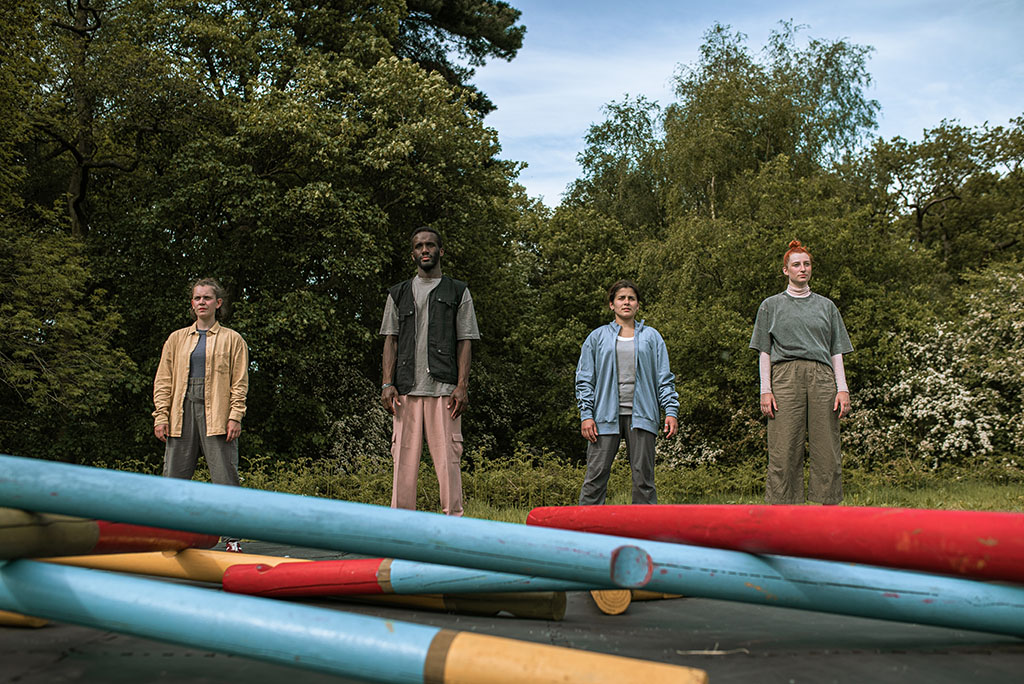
794	248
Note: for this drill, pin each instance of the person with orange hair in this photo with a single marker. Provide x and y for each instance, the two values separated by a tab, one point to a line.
800	339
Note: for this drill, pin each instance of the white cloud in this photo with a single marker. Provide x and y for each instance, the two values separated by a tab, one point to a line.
933	59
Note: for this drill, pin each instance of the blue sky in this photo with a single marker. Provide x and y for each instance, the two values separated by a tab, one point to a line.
933	60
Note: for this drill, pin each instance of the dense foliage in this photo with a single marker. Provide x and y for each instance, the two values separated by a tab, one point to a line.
289	147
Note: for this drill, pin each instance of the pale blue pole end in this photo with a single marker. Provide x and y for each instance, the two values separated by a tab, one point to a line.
632	567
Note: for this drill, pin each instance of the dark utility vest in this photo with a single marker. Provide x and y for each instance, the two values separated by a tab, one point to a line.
442	307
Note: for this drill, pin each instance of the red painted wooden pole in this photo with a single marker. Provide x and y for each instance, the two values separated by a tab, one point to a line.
24	534
379	576
318	578
979	544
124	538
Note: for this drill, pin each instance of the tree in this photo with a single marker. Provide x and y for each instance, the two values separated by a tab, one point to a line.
59	365
734	113
956	395
579	254
475	30
623	173
958	190
283	148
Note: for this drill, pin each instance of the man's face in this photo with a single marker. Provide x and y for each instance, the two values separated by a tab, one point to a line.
624	304
425	252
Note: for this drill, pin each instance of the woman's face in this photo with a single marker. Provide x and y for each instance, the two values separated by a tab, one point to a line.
798	270
205	302
624	304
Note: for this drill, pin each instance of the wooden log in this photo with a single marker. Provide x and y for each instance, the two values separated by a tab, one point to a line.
379	576
9	619
202	565
612	601
368	530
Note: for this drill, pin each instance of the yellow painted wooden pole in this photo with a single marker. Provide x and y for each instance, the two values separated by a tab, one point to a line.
469	658
200	565
25	534
9	619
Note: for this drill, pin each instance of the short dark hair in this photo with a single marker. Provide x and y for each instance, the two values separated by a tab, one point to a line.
427	229
620	285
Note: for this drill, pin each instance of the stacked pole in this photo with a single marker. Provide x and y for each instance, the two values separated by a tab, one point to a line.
601	561
368	648
982	544
590	559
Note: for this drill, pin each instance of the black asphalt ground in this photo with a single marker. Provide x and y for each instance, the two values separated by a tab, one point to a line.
733	642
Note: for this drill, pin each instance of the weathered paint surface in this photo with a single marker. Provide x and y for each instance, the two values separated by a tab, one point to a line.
379	576
51	487
980	544
362	647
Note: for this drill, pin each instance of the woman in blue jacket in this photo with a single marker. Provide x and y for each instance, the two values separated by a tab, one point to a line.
623	383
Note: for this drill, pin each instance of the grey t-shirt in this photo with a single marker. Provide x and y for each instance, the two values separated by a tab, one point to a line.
197	362
790	328
465	329
625	357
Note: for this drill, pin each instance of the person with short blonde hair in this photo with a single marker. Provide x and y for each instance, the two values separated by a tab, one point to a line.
199	392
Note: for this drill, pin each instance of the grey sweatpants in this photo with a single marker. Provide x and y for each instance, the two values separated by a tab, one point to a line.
182	453
600	454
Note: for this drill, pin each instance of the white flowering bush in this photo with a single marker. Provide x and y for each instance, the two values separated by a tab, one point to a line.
955	394
687	449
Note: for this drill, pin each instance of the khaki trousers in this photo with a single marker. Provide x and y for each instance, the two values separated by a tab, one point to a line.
414	417
805	392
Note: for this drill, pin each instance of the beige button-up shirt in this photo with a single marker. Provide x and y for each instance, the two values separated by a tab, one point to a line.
226	381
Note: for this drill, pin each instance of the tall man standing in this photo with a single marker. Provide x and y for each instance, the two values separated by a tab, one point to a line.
623	383
428	328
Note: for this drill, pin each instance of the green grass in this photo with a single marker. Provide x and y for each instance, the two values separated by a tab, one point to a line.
508	488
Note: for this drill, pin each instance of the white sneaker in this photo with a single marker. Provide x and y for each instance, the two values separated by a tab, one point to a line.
233	546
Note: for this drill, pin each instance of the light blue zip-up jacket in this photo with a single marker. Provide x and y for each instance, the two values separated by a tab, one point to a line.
597	380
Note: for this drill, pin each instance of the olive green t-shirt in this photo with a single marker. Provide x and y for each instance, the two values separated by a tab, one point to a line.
790	328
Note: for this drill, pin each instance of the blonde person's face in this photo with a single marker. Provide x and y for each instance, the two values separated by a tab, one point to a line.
205	302
798	270
624	304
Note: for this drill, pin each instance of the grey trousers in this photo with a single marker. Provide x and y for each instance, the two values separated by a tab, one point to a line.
805	392
182	453
600	454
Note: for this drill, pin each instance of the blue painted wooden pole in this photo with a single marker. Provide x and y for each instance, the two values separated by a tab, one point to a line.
367	648
782	581
835	587
410	577
49	487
